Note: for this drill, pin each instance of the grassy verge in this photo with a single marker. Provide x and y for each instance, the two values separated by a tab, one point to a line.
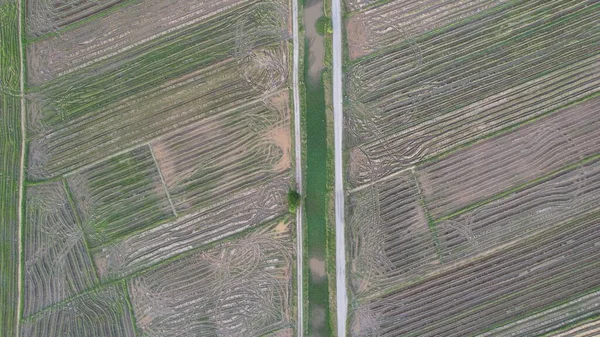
10	151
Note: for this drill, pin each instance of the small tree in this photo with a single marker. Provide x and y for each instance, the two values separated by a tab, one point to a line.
294	200
323	26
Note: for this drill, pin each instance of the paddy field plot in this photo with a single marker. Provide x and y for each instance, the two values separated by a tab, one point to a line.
472	155
450	86
102	312
239	288
57	263
159	152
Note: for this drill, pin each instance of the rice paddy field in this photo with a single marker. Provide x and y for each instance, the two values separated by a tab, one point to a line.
472	146
157	166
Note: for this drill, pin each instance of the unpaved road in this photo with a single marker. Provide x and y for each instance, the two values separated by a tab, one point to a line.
298	155
338	124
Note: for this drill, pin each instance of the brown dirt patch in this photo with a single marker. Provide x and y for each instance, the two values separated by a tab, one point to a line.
357	34
281	137
317	268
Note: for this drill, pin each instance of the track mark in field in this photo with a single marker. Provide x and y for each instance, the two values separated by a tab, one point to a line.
162	179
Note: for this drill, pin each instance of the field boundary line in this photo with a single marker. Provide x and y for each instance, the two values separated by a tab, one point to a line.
166	134
162	179
21	171
389	176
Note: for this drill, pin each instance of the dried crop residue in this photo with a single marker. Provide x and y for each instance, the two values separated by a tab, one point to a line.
238	288
470	175
401	20
224	217
389	240
116	33
357	35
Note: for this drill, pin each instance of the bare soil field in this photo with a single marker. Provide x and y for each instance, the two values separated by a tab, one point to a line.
101	313
57	263
239	288
413	102
49	15
557	265
509	160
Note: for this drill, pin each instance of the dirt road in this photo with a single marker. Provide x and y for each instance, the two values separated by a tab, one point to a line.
298	155
22	170
338	124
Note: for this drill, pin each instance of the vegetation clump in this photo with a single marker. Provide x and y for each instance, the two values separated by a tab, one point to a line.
294	200
323	26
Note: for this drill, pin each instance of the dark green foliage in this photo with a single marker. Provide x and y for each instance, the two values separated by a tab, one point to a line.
294	200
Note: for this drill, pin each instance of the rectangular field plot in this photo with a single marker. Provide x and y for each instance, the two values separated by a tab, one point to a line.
207	162
509	160
138	119
100	313
537	207
238	212
398	21
541	272
57	263
120	195
239	288
140	27
441	90
389	240
49	15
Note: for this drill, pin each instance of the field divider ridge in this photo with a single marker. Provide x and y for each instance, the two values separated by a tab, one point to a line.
162	179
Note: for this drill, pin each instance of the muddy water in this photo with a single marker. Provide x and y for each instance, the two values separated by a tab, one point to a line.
316	199
313	10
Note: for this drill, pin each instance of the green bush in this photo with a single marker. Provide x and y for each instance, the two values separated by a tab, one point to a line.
323	26
294	200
